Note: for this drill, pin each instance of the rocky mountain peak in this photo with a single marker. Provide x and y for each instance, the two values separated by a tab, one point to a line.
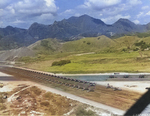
68	29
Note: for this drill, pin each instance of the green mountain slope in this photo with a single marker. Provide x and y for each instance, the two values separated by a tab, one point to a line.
124	56
89	44
46	46
126	42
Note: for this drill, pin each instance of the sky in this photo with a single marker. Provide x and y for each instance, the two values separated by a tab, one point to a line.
23	13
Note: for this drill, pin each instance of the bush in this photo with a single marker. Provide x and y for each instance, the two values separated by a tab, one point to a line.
124	49
36	90
2	107
46	104
143	45
60	63
135	49
142	35
88	43
48	95
81	112
24	92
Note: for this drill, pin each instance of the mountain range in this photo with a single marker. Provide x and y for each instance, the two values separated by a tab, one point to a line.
66	30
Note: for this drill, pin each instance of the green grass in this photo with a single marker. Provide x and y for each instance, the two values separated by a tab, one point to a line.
108	55
88	44
98	63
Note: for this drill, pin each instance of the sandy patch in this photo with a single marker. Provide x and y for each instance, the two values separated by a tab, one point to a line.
137	86
9	86
3	74
13	84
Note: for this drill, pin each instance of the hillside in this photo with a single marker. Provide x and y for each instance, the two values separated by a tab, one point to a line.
89	44
126	42
12	55
93	55
73	28
55	48
46	46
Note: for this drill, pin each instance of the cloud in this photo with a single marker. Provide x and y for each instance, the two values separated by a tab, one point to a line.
77	14
112	19
134	2
115	10
18	21
68	11
36	6
148	13
145	7
136	21
4	3
1	23
29	10
140	14
99	4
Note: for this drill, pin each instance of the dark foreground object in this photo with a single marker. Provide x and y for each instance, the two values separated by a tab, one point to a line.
140	105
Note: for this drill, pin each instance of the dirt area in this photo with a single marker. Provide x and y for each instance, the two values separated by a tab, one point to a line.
11	55
116	101
135	86
26	99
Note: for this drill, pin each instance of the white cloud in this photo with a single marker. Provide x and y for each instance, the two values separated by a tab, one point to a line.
100	14
50	3
145	7
29	10
18	21
112	19
77	14
36	6
1	23
136	21
99	4
4	3
148	13
140	14
134	2
115	10
45	18
1	12
68	11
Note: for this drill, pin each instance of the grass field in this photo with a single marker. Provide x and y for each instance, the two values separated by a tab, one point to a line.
97	63
103	55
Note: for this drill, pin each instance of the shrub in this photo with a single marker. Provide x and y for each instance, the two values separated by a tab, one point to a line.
61	62
124	49
135	49
82	112
88	43
48	95
143	45
2	107
46	104
141	35
36	90
24	92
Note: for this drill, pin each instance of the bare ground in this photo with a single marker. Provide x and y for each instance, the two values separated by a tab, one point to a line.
23	100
